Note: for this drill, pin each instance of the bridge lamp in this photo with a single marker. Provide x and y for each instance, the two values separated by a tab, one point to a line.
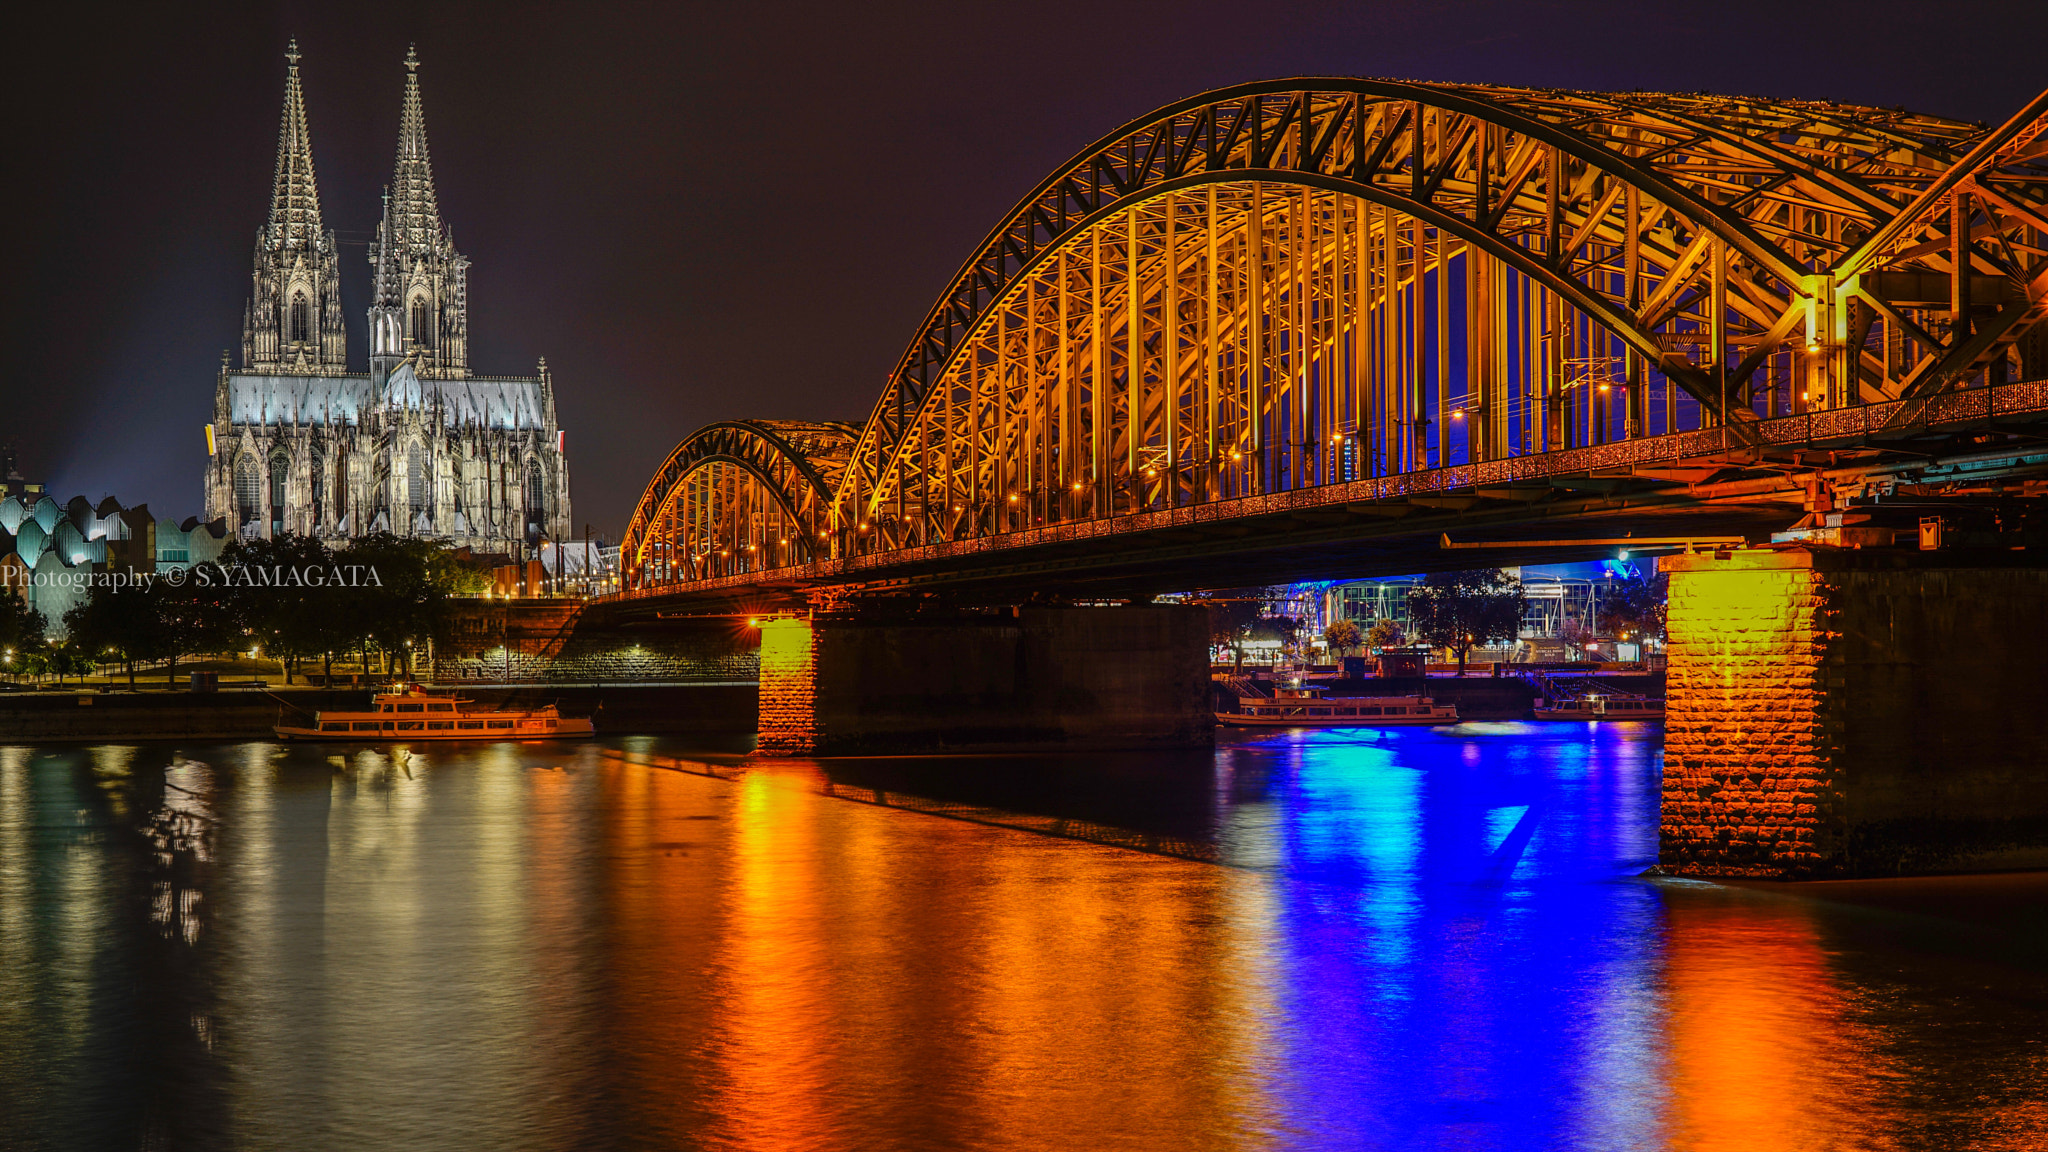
1237	455
1013	497
1624	554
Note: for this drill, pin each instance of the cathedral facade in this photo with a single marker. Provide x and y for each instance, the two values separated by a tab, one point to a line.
416	445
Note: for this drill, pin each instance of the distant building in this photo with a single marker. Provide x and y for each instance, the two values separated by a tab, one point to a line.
12	482
1563	600
416	445
48	551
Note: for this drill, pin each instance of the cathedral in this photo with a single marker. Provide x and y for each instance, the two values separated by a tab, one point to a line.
416	445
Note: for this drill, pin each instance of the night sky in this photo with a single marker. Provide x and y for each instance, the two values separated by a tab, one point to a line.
710	212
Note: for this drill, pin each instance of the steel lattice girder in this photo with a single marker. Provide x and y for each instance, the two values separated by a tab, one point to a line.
790	466
1683	240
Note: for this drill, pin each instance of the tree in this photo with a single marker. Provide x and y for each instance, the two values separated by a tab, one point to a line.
1459	610
401	590
1342	636
192	618
21	631
281	593
65	660
121	621
1233	614
1636	604
1575	636
1285	629
1385	634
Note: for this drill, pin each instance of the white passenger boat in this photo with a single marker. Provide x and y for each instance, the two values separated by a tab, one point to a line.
1305	707
1601	706
411	714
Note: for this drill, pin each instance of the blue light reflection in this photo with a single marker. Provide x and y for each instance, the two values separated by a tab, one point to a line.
1458	934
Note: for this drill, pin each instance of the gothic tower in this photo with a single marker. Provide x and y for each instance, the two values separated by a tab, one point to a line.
419	306
292	325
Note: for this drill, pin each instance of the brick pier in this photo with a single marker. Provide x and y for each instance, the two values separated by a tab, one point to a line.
1841	713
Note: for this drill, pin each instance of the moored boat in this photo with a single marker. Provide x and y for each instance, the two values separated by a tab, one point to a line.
1601	706
412	714
1308	707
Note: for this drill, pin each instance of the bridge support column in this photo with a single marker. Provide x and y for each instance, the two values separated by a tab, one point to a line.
1043	678
1839	713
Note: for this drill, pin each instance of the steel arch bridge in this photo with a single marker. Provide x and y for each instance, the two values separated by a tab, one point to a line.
1372	289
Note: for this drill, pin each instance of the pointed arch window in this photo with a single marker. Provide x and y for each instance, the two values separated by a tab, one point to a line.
248	492
302	320
280	473
422	324
317	488
417	480
536	501
340	483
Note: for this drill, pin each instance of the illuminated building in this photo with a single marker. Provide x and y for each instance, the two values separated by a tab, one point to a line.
417	445
47	548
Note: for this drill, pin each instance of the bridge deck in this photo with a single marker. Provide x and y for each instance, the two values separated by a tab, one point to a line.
1749	480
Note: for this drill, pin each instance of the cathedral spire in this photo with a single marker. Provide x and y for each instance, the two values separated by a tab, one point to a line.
419	305
412	179
293	320
294	195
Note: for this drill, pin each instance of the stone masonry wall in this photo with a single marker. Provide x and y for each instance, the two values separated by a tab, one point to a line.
789	688
1844	713
552	641
1750	741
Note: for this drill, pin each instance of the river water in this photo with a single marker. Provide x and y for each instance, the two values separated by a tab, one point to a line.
1411	939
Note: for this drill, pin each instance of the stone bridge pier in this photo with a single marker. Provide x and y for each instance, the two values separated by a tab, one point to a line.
1844	713
849	683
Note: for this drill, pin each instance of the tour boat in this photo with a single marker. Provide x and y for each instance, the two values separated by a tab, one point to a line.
1305	707
1601	706
411	714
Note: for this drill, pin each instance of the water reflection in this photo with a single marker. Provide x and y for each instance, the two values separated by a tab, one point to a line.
1412	939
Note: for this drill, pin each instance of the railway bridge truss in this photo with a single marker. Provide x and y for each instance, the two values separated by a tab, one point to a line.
1311	326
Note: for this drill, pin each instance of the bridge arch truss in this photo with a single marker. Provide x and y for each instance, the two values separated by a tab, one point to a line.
736	496
1322	280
